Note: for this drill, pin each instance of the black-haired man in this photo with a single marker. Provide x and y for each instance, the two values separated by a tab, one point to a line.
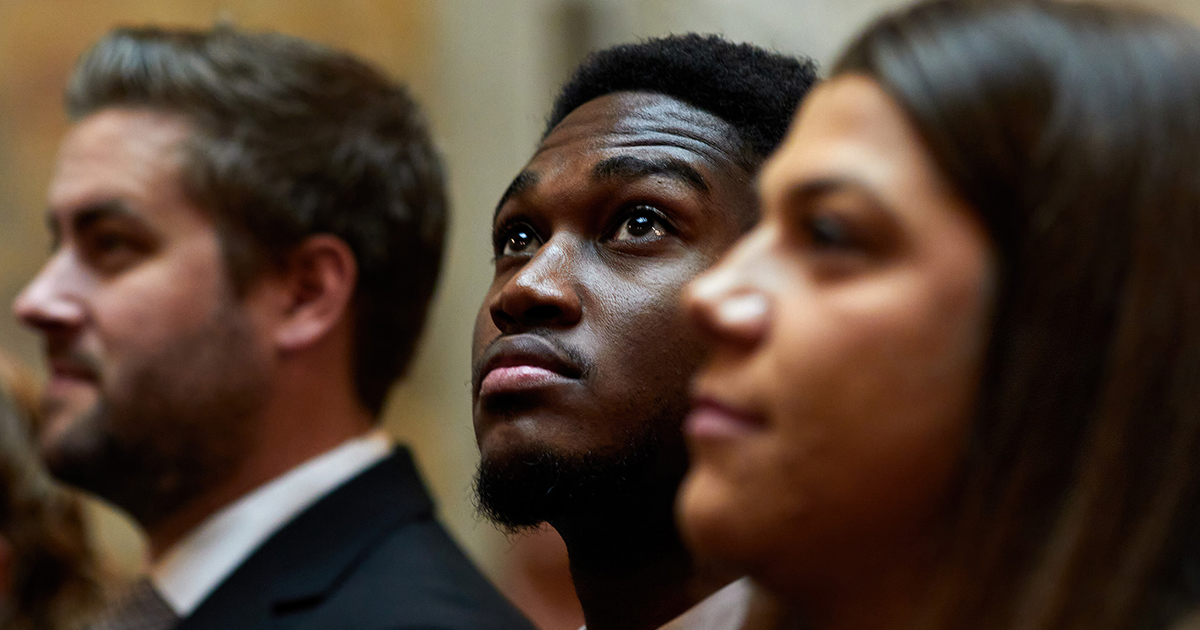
247	232
582	356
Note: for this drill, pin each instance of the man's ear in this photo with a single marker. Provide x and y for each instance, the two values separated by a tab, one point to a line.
319	282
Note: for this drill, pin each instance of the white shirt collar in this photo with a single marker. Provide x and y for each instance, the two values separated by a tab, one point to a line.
190	570
723	610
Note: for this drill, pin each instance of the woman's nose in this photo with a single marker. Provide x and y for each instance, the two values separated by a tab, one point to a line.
726	302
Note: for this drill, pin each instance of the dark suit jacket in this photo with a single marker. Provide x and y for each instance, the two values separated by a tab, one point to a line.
369	556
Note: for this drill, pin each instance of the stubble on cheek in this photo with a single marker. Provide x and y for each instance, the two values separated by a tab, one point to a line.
170	426
61	411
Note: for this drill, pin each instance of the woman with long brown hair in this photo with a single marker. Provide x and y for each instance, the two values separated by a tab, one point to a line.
48	573
957	371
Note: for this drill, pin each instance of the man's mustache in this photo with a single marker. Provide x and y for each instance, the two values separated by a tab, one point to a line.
74	361
577	358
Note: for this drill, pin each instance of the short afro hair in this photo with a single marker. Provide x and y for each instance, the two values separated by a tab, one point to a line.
756	91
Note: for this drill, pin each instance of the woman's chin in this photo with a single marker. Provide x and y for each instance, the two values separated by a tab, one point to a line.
712	524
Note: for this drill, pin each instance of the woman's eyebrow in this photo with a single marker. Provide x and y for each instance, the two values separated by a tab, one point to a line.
830	184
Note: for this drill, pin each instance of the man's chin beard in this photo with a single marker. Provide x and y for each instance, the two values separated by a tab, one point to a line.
145	480
173	428
520	490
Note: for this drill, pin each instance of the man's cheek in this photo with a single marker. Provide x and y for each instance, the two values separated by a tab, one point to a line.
138	313
484	333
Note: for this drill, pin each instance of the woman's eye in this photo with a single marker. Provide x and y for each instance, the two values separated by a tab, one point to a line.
644	223
517	240
830	233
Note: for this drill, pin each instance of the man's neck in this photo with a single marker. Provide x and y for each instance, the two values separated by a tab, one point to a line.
278	449
633	578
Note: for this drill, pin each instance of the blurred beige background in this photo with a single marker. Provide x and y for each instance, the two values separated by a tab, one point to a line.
485	69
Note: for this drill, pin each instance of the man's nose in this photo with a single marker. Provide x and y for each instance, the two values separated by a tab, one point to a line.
53	298
543	293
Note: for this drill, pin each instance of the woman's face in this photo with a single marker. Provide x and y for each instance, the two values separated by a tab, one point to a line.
849	330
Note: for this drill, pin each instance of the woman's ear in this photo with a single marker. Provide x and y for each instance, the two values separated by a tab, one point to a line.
318	283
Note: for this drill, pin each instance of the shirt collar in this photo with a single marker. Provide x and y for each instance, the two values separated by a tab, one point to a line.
190	570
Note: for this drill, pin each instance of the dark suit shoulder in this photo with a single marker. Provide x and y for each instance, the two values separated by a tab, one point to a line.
419	578
369	556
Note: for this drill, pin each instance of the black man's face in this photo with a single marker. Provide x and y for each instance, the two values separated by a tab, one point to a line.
582	354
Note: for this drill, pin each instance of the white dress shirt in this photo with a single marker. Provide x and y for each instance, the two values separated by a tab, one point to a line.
723	610
193	568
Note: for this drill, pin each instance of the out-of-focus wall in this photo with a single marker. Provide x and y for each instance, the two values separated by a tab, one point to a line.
486	71
1189	9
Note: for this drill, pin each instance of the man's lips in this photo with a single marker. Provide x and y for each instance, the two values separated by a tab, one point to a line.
516	378
67	369
712	418
523	362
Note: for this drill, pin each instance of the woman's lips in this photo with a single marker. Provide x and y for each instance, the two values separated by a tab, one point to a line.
517	378
713	420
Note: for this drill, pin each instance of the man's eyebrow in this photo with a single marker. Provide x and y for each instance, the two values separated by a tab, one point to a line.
522	182
630	167
108	209
87	215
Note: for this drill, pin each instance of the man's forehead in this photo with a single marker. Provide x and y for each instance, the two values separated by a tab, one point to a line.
644	120
124	133
116	153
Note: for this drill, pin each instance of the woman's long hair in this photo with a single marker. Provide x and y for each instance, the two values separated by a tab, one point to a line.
55	582
1074	130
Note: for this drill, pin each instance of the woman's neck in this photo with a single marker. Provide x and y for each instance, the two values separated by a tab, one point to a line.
874	591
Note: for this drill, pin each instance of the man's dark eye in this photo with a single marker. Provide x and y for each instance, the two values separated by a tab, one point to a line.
112	251
517	240
643	224
110	243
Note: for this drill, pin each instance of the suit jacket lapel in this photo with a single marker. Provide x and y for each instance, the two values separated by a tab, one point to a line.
302	563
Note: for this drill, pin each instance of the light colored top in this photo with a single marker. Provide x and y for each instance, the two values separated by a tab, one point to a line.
193	568
723	610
